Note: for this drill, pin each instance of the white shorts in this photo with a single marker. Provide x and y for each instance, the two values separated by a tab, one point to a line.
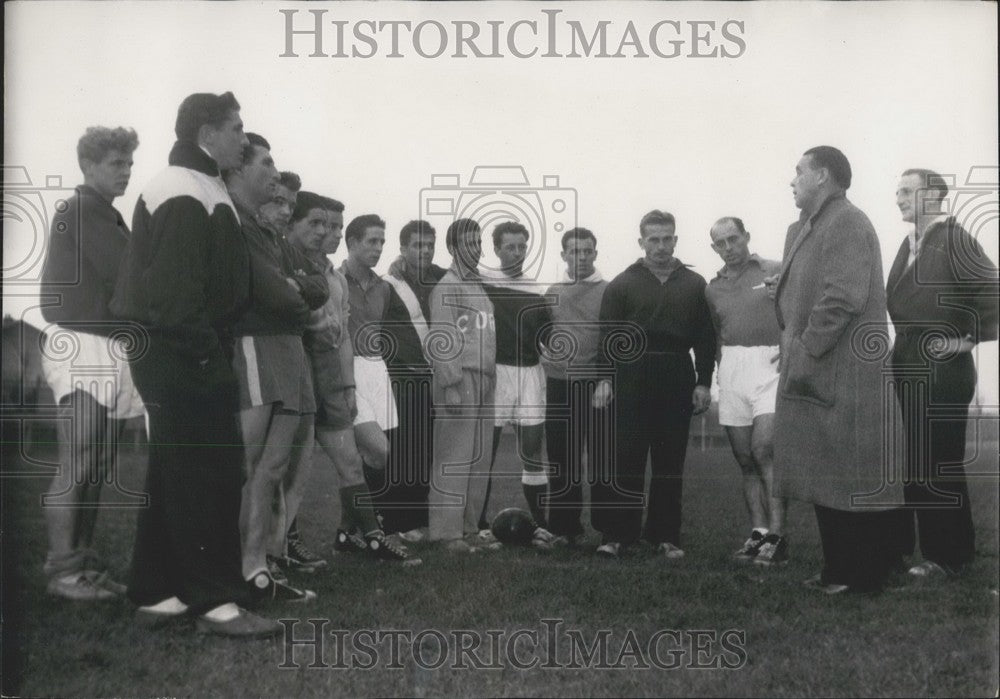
748	384
78	361
519	398
373	393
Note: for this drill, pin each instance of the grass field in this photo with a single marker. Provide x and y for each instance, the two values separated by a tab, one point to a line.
783	640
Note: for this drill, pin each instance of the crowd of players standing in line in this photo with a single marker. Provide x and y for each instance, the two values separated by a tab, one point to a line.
247	346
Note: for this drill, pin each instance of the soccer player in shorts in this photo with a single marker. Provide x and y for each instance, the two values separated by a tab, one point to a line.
747	328
316	230
523	319
81	268
461	346
275	382
368	294
295	554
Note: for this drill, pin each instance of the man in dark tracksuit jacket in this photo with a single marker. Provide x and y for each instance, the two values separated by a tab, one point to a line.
186	279
659	304
941	284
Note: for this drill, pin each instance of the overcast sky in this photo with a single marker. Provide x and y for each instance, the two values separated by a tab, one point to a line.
893	85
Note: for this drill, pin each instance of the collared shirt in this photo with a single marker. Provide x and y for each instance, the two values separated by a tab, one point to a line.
742	311
369	296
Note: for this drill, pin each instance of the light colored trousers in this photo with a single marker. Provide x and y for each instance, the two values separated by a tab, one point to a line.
463	442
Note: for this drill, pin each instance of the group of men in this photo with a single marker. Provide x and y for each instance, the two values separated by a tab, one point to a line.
246	347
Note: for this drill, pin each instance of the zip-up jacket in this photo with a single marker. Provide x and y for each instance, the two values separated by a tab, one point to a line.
186	271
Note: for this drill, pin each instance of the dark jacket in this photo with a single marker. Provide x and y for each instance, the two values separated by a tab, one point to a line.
186	272
86	245
276	308
951	286
673	315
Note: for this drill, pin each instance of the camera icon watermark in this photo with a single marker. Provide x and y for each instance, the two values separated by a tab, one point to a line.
29	209
499	193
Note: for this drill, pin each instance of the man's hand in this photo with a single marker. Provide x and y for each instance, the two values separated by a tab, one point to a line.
701	399
771	283
602	394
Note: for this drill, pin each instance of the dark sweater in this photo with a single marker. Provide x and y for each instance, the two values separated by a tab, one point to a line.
276	308
673	315
85	249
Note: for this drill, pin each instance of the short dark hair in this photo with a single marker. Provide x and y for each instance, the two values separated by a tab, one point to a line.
359	224
932	180
834	161
737	222
578	234
459	227
506	227
306	202
656	218
254	141
97	141
200	109
290	181
415	227
333	205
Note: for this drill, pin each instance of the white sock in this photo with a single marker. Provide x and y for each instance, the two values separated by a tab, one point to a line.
763	531
224	612
171	605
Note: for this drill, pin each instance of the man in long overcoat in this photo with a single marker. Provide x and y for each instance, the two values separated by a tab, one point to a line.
831	415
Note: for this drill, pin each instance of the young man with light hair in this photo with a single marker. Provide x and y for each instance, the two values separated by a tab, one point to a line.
85	249
748	336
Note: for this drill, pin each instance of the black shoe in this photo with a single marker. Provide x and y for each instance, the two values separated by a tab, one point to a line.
300	557
381	547
750	547
773	551
349	542
264	588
